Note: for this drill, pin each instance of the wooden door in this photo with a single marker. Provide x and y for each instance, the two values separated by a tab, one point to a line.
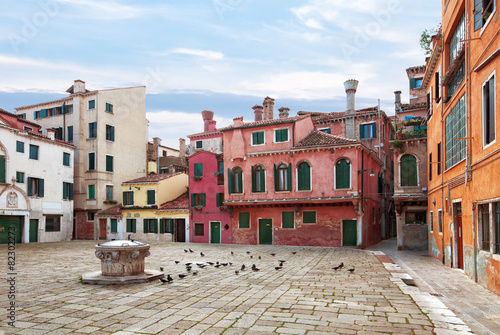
215	232
349	233
33	230
460	246
102	228
10	229
180	230
265	231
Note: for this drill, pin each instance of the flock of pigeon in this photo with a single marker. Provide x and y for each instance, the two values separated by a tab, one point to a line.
217	264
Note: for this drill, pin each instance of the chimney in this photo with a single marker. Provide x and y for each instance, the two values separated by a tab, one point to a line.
51	133
182	148
284	112
257	110
351	86
207	116
79	86
397	101
268	108
211	125
238	121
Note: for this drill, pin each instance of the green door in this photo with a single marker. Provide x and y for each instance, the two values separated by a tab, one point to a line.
349	236
10	229
265	231
215	232
33	230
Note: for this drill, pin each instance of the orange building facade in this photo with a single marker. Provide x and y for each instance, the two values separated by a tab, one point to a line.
461	81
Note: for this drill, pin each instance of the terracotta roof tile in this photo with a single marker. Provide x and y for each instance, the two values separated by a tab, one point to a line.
418	105
264	123
181	202
317	137
115	210
152	178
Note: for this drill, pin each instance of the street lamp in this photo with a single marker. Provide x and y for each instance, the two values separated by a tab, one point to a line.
371	172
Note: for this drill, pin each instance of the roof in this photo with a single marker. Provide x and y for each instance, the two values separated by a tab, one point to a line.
338	115
115	210
20	120
418	105
151	178
181	202
165	161
205	133
317	137
264	123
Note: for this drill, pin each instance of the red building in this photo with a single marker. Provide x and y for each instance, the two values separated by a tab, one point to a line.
210	221
289	183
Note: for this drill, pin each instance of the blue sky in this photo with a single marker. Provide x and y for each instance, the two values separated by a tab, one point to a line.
221	55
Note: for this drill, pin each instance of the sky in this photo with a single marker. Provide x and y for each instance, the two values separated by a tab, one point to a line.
221	55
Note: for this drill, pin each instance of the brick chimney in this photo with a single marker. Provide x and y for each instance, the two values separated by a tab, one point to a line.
182	148
79	86
211	125
268	108
351	86
284	111
207	116
257	110
238	121
51	133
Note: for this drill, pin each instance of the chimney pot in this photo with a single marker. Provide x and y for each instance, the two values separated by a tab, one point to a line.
238	121
284	112
268	108
51	133
211	125
182	147
79	86
207	116
350	86
257	110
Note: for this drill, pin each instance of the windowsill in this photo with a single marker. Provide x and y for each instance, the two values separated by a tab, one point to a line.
259	193
91	138
257	145
282	142
489	144
282	191
110	141
303	191
487	22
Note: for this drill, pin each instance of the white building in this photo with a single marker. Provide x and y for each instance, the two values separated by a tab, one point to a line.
36	183
109	130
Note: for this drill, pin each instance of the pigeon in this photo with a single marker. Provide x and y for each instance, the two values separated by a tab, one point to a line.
161	268
248	252
281	265
195	273
185	250
350	270
281	260
232	253
176	262
182	276
132	240
253	266
129	236
217	262
164	280
216	265
255	269
188	264
188	268
236	271
341	265
336	268
190	250
243	267
202	254
278	268
251	256
260	257
294	252
273	254
211	263
201	265
223	264
230	263
169	278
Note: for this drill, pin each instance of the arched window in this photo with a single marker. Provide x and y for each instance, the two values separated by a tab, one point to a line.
343	174
283	177
408	170
258	179
304	176
235	180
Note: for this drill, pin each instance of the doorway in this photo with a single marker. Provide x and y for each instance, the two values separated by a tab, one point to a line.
265	231
349	233
215	232
180	230
102	228
33	230
457	209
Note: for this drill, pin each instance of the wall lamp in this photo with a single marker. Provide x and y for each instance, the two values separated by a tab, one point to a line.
371	172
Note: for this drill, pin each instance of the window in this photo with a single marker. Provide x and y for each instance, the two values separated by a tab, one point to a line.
415	83
458	35
67	191
343	174
489	110
456	80
283	177
90	216
35	187
431	221
70	134
497	227
110	133
164	170
440	221
20	177
220	175
66	157
109	192
92	130
325	130
281	135
485	227
309	217
415	217
2	169
27	128
244	220
19	146
58	133
439	158
198	200
198	170
131	227
22	116
437	86
164	153
128	198
430	166
304	177
150	225
151	197
368	130
166	226
109	163
408	171
258	138
91	192
287	220
199	144
482	12
52	223
235	179
109	107
219	199
429	103
33	151
91	104
455	127
91	161
258	179
199	229
114	225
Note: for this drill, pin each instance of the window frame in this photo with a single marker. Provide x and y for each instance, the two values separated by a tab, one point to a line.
110	133
197	230
91	194
258	179
431	221
92	130
150	195
91	102
20	147
110	163
408	182
108	196
35	187
198	144
284	223
131	225
55	225
34	152
440	221
69	134
93	161
110	109
304	217
67	191
488	110
20	177
336	177
280	131
128	198
455	150
282	177
66	159
253	138
368	128
198	170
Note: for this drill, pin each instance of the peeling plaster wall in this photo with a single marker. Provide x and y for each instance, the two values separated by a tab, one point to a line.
447	255
434	249
469	261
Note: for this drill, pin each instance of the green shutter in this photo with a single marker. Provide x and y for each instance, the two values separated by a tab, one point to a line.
170	225
342	175
374	129
229	182
413	82
254	138
287	219
203	199
218	201
285	135
244	220
307	177
125	199
309	217
289	177
114	226
304	177
71	191
198	169
29	186
193	200
361	134
70	134
145	225
40	188
162	226
478	14
112	133
109	163
240	181
65	193
262	180
254	177
2	169
151	197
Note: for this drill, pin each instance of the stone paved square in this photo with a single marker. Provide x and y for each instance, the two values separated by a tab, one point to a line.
305	296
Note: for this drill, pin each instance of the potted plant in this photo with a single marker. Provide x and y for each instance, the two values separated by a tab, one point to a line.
398	145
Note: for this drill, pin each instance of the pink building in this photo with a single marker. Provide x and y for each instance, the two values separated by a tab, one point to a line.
210	220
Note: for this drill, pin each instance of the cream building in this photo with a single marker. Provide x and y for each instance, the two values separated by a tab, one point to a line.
109	130
36	183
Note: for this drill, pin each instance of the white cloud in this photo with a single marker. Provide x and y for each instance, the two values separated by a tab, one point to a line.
104	10
207	54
